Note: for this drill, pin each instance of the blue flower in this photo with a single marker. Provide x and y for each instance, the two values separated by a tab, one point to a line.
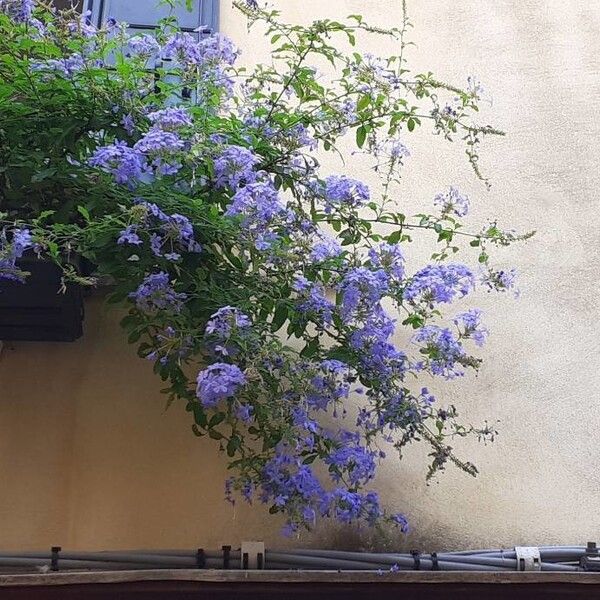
351	460
124	163
402	522
218	382
157	141
67	66
452	202
325	248
446	353
170	119
129	236
439	284
262	213
388	257
11	251
225	321
340	192
312	302
470	321
128	124
244	412
235	165
500	281
21	241
156	293
19	10
361	288
144	45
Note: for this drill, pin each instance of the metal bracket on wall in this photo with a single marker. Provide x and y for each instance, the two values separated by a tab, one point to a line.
253	555
528	558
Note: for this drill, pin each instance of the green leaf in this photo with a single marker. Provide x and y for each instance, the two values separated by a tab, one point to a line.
311	348
216	419
414	320
82	210
410	124
199	415
394	237
43	174
280	317
363	102
53	249
134	336
361	136
44	215
232	445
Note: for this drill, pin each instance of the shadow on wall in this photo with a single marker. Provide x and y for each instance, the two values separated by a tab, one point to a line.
90	458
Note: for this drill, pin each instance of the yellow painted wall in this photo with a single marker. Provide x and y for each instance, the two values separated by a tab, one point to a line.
89	459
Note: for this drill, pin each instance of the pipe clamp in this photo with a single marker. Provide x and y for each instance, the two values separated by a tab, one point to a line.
528	558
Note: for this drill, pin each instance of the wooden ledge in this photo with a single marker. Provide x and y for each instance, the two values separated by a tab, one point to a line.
303	577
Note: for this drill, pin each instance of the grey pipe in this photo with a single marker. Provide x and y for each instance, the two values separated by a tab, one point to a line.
553	559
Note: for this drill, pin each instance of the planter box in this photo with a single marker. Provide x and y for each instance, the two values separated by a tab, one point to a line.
37	310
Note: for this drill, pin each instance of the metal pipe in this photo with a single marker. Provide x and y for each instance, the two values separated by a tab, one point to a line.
553	558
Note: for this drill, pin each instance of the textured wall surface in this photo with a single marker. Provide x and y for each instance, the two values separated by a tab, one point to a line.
90	459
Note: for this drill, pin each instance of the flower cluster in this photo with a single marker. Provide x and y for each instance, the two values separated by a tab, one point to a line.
122	162
361	289
452	202
11	251
170	119
470	323
261	211
67	67
144	45
156	293
20	10
170	235
312	302
325	248
390	258
339	192
235	165
218	382
353	459
444	351
227	323
439	283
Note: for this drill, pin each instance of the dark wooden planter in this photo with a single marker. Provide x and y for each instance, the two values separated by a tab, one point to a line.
37	310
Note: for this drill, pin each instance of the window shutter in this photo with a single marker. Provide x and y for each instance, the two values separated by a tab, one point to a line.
145	14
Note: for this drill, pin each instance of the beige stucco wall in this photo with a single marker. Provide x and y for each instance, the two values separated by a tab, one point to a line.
89	458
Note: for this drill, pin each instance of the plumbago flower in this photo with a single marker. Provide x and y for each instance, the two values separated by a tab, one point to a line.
202	198
10	252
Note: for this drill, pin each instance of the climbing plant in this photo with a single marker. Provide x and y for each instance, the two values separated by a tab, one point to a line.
274	297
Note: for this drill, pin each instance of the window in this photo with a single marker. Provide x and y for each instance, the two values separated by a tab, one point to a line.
142	16
145	14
